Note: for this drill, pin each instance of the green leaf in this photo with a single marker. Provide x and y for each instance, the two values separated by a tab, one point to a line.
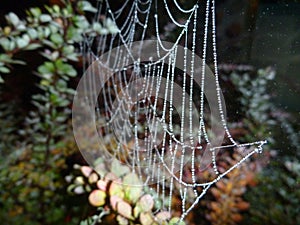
13	19
54	55
175	221
39	148
19	62
118	169
46	68
71	71
46	55
56	8
86	6
21	27
72	57
57	38
4	69
7	59
40	33
136	211
104	31
132	179
93	178
32	46
68	49
44	18
111	26
86	222
36	12
32	33
71	188
74	34
97	27
49	43
54	27
12	45
5	43
81	22
1	80
47	31
133	188
116	189
65	69
21	43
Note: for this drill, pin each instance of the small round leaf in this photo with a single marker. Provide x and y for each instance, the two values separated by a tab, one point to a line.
97	198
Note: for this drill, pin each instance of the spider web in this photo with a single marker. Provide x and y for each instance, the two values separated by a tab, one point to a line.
148	114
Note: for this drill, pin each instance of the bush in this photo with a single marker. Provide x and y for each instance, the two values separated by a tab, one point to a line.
32	184
39	155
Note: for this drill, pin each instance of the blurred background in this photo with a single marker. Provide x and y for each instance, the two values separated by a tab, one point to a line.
45	180
258	32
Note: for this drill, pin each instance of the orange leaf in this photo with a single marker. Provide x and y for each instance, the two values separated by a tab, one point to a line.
216	192
221	185
229	187
216	207
236	217
242	205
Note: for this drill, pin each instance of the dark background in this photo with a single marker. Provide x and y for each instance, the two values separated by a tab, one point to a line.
256	32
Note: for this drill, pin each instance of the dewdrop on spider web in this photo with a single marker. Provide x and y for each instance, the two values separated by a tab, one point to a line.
146	100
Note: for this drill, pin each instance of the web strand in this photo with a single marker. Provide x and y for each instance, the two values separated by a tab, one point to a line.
150	114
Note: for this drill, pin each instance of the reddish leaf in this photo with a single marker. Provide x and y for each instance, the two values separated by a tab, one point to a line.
124	209
97	198
146	203
101	184
146	219
86	170
114	201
